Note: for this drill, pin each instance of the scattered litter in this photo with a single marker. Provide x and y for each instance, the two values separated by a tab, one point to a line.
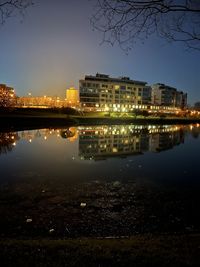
83	204
67	230
116	184
29	220
51	230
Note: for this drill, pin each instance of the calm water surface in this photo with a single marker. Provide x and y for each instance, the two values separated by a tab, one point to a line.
115	180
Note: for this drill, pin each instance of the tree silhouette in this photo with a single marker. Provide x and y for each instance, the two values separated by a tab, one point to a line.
10	8
7	142
7	96
127	21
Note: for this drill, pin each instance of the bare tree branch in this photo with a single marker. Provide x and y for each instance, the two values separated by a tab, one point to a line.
10	8
127	21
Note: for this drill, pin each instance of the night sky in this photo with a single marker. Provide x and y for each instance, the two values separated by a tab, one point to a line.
55	46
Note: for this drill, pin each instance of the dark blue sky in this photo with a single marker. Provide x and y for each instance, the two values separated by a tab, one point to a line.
55	46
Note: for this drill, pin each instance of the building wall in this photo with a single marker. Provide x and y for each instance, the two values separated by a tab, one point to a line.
165	95
72	97
101	92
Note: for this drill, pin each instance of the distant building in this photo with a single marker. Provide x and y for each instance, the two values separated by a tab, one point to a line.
197	106
72	97
41	102
104	93
164	95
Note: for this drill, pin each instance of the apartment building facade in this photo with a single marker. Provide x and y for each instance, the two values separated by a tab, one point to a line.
165	95
103	93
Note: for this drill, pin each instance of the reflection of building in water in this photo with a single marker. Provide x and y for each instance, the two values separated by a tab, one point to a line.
30	135
69	133
103	141
100	142
163	141
195	131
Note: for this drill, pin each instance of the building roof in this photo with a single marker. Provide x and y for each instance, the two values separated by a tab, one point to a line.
107	78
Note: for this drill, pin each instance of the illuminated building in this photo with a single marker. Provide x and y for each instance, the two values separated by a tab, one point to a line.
103	93
164	95
41	102
72	97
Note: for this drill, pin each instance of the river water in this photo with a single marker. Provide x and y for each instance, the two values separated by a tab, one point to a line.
110	180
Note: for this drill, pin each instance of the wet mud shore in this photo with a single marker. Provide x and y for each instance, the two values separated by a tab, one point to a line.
98	224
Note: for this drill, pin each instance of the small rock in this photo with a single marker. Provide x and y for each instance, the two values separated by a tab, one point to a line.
83	204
